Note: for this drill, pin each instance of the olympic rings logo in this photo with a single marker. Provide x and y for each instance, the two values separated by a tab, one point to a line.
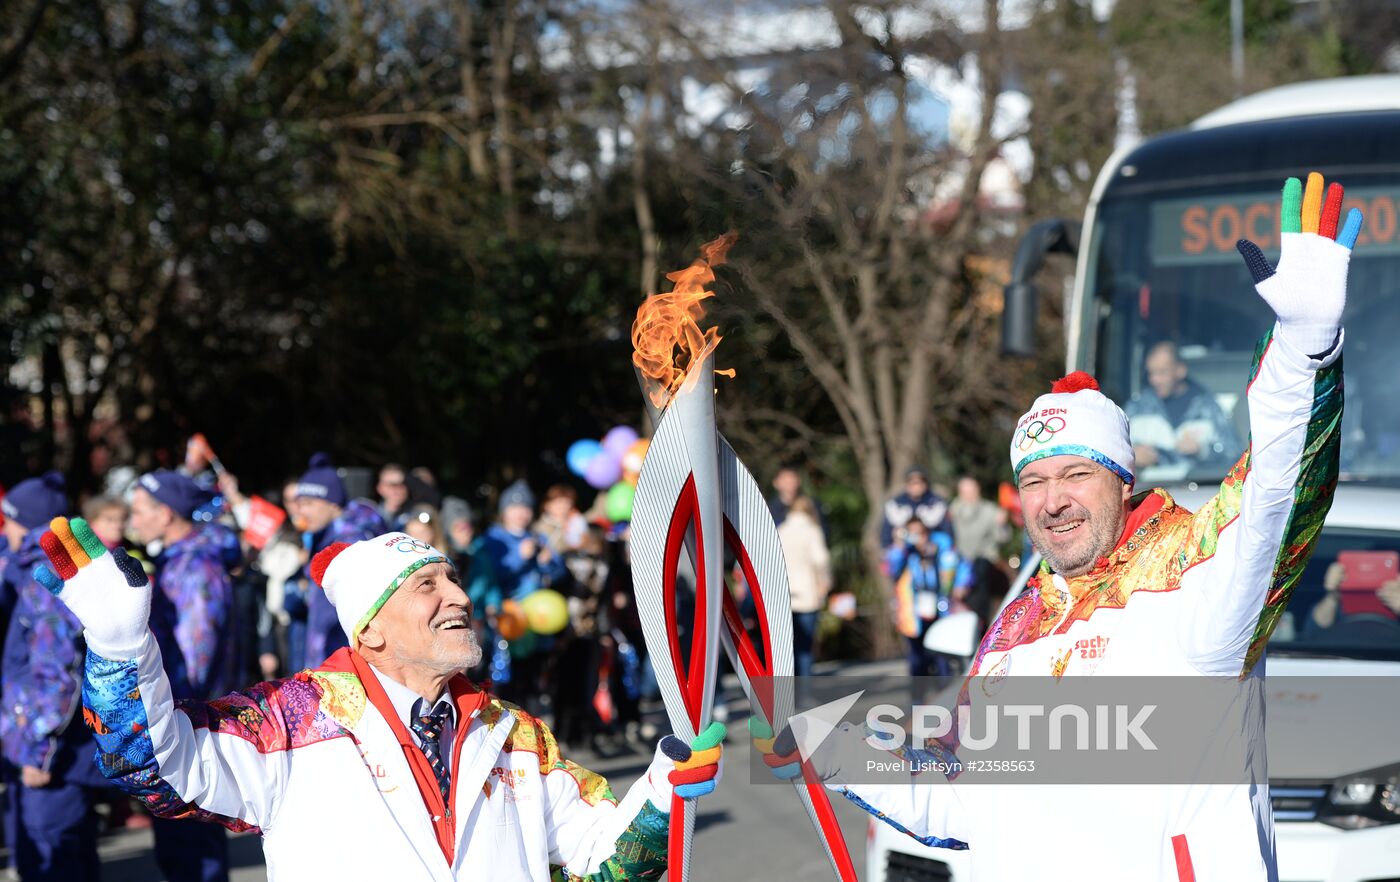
413	546
1038	432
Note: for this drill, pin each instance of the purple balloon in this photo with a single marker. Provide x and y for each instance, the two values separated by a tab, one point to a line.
618	439
603	471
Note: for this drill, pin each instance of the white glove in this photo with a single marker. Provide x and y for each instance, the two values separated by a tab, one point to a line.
108	592
687	770
1308	288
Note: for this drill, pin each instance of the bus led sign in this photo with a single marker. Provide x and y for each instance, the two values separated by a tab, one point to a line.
1205	230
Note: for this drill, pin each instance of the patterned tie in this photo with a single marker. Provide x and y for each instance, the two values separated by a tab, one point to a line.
428	728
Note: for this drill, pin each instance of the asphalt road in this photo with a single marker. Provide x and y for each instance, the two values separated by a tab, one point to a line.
745	830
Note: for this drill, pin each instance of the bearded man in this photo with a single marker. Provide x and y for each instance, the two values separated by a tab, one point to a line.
1134	585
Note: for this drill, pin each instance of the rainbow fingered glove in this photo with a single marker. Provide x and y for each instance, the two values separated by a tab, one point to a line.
688	770
784	766
837	760
1308	288
109	593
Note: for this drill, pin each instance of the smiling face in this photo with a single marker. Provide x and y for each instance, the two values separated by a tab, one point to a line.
1074	509
426	625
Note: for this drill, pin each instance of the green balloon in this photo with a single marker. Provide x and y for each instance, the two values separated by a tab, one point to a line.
619	501
522	646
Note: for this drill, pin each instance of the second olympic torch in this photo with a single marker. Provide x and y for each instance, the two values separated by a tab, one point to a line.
695	497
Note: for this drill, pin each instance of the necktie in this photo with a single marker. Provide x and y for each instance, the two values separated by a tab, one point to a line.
428	728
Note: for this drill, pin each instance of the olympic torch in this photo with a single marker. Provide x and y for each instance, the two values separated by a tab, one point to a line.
695	495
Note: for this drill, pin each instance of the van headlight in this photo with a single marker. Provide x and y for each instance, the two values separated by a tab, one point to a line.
1366	799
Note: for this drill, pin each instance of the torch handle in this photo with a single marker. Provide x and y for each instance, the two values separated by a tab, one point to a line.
680	834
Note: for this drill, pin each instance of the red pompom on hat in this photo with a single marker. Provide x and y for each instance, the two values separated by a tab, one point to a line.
1074	383
323	559
1075	418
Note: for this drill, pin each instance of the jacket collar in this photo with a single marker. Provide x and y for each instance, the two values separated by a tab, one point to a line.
404	699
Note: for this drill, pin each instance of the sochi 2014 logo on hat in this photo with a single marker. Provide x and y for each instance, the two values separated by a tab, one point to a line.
413	546
1039	428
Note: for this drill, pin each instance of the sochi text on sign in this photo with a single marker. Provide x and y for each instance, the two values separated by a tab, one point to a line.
1204	230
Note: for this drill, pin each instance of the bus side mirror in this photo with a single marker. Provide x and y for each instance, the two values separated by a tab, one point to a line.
1019	302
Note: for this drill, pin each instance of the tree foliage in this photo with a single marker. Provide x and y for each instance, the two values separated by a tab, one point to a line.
418	231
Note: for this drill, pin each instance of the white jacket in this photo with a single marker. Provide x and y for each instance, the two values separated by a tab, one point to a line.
315	763
808	561
1182	594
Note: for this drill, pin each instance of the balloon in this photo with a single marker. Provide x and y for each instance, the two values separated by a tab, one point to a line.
511	620
632	459
619	502
546	611
618	440
603	471
581	453
522	647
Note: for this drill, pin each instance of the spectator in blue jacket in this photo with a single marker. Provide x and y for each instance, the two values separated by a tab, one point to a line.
522	563
193	620
930	580
327	515
522	559
52	783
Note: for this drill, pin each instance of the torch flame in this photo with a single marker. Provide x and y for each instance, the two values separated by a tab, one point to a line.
666	337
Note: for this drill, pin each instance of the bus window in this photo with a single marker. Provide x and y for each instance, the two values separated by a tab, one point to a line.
1178	320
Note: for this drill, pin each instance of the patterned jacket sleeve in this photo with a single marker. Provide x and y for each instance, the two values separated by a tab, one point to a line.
222	761
41	687
1253	539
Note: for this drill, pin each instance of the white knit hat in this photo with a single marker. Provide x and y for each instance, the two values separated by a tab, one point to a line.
1074	418
358	579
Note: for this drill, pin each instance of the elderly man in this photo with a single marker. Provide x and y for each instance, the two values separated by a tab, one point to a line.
1136	585
382	763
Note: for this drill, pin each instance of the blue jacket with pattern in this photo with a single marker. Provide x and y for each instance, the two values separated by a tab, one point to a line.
192	613
41	725
358	520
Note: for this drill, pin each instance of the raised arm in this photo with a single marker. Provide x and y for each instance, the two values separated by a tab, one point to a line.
220	761
1259	531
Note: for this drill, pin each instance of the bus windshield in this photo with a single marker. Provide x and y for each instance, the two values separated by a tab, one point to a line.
1176	320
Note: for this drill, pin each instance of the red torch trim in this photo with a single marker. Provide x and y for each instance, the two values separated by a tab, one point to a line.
692	683
761	678
760	671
